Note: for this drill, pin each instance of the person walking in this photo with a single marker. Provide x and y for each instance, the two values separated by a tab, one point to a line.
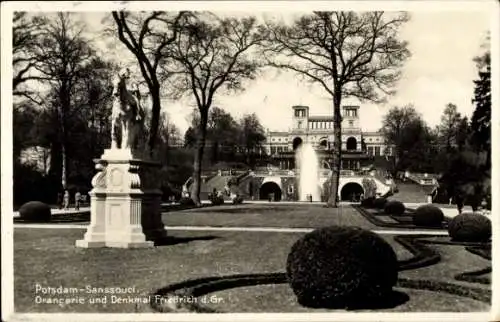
459	199
66	199
60	199
78	198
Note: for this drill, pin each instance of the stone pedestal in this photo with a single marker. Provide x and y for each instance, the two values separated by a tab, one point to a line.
125	205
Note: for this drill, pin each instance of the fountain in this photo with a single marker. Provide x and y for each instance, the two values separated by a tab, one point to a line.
308	166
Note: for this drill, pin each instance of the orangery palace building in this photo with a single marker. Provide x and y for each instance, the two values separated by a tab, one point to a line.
358	147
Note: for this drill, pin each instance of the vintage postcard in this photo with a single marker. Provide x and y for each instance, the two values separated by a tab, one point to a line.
234	160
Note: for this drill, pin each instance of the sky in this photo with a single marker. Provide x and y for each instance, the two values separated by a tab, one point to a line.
440	71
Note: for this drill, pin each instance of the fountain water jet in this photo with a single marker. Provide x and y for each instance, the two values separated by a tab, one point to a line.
308	167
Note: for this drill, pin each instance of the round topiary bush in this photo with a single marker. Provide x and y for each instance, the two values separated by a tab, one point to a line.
341	267
394	207
35	211
428	215
379	203
470	227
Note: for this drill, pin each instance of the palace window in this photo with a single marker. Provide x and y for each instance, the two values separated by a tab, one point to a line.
351	123
377	150
351	112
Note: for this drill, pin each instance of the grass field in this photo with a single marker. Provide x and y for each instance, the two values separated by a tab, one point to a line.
46	258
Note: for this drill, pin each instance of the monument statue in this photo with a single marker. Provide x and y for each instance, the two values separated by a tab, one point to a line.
125	205
127	111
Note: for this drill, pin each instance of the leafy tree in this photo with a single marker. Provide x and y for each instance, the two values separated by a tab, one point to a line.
480	137
468	175
465	177
451	121
222	133
149	37
420	157
481	118
24	136
212	54
348	54
251	137
403	128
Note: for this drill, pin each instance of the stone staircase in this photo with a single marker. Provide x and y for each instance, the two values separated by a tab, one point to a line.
410	192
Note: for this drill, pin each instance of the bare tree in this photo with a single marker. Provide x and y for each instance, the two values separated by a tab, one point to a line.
61	55
212	54
26	33
348	54
148	36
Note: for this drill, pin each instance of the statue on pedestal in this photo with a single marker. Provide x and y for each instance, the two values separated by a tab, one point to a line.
125	207
126	111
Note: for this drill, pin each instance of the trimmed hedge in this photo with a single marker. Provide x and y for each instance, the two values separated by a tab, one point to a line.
394	207
215	199
470	227
341	267
35	211
428	215
367	203
185	201
379	203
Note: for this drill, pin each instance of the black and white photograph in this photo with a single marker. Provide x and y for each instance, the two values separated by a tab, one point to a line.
230	161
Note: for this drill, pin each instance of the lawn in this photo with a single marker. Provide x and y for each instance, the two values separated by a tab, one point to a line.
267	215
209	265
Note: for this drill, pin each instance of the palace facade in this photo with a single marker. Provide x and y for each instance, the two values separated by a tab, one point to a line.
358	147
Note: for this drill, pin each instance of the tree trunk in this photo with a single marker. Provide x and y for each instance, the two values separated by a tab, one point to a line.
198	157
64	168
337	154
65	104
155	117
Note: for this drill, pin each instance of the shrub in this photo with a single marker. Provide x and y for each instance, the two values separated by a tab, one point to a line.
428	215
470	227
340	267
216	199
237	200
367	202
394	207
369	188
185	201
35	211
379	203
